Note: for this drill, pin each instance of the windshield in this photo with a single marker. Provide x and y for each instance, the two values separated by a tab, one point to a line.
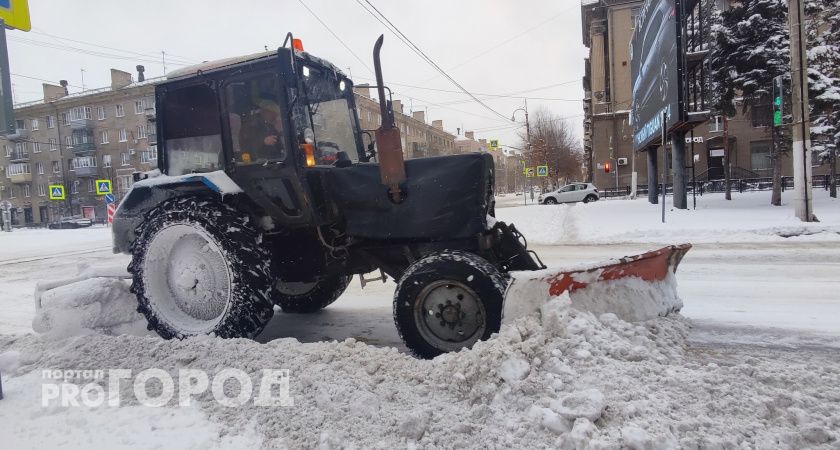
332	119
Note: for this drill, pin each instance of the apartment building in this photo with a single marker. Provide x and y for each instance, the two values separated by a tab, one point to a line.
608	27
73	140
419	139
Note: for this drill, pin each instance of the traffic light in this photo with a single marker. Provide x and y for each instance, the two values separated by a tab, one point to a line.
607	167
778	101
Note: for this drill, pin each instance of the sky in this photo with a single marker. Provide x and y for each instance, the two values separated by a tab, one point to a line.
523	49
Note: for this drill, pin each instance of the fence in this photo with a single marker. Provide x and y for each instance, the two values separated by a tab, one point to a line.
737	185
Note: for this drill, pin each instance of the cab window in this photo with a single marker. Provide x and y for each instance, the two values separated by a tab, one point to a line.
192	130
257	132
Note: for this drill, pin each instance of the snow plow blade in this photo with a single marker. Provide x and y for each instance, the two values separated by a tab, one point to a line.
84	273
634	288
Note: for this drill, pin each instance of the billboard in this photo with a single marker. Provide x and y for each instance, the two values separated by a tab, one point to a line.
655	63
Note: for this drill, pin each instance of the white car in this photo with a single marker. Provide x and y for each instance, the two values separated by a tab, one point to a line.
570	193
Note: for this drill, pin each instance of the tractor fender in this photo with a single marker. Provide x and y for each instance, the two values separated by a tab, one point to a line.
147	194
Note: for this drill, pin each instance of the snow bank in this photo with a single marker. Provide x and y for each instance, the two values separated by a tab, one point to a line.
748	217
95	305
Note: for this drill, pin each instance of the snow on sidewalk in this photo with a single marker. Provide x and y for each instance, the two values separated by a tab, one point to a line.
748	217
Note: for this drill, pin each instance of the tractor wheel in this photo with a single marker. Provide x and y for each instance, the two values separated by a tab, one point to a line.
550	201
305	298
198	268
590	198
448	301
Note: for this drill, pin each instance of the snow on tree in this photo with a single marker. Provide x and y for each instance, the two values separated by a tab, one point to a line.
823	30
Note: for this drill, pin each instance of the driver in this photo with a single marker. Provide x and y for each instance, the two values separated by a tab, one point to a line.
262	136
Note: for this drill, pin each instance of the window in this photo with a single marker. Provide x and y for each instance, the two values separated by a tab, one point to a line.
68	141
192	130
138	107
35	125
20	124
50	121
124	183
56	166
8	151
106	160
123	135
103	137
53	144
75	188
84	161
65	118
21	151
760	155
17	169
26	190
12	192
81	113
761	115
125	159
148	156
36	147
141	132
100	112
90	184
40	168
716	124
42	190
120	110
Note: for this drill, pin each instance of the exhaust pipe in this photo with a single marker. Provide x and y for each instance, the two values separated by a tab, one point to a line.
388	143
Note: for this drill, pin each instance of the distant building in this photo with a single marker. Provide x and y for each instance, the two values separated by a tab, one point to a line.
608	136
73	140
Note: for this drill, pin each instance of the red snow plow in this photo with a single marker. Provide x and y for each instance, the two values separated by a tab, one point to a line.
638	287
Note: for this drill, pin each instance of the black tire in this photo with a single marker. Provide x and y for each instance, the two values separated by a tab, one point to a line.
550	201
448	274
590	198
322	293
233	246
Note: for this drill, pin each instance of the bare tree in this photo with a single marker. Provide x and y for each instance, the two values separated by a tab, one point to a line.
553	144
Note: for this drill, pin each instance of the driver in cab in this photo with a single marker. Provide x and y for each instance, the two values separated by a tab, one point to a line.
262	137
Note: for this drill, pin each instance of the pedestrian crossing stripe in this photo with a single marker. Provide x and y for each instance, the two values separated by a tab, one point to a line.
103	187
56	192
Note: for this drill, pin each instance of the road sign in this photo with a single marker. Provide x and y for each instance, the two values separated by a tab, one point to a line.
494	144
102	186
15	14
56	192
529	172
109	198
112	209
542	171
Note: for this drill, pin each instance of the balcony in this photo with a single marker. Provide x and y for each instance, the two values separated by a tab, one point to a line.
83	148
86	172
19	173
17	157
20	134
151	114
81	124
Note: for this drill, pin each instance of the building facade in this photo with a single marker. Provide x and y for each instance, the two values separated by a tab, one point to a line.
608	27
74	140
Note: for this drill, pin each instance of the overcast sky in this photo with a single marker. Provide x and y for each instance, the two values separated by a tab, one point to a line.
489	47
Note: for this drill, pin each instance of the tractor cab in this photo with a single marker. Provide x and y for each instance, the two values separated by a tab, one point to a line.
268	121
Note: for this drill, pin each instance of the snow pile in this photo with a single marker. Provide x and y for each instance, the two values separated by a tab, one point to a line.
95	305
748	217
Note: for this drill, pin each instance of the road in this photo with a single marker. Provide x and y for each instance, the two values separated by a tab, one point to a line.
751	293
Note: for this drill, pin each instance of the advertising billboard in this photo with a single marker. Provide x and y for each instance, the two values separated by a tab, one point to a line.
655	61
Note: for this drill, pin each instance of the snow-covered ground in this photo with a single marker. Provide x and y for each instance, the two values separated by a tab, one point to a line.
754	363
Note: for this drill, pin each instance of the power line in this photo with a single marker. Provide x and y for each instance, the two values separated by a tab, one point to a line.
336	36
147	54
87	52
396	31
39	79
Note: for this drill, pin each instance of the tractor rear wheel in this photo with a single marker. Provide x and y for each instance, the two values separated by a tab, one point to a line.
305	298
198	267
448	301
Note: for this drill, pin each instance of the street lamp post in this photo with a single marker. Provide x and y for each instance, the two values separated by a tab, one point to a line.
528	143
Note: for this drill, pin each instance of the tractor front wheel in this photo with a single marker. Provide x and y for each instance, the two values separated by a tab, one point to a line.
448	301
305	298
198	267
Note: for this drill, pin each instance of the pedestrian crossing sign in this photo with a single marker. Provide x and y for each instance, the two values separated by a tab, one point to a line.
56	192
103	187
15	14
494	144
542	171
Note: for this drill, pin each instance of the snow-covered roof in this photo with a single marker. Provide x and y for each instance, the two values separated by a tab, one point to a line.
85	93
216	64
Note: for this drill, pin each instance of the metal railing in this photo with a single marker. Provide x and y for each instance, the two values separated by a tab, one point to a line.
714	186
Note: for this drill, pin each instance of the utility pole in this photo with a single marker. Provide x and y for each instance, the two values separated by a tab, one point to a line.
802	192
727	183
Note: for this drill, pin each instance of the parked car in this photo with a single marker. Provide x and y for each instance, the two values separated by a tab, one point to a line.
570	193
70	222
